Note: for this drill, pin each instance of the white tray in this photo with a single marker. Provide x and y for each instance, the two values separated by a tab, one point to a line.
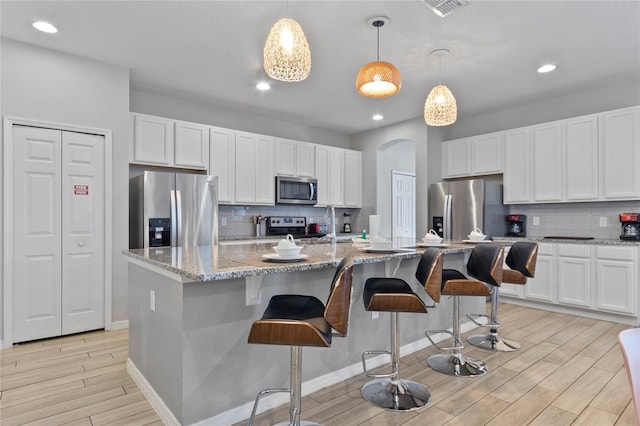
432	245
277	258
477	242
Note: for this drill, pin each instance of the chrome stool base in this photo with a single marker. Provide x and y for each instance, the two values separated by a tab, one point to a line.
493	342
302	423
457	365
396	395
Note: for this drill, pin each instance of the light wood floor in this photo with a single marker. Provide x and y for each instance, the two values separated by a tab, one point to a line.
568	371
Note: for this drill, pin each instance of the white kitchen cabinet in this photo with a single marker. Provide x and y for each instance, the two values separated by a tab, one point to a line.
330	171
574	274
285	157
191	145
456	158
305	159
616	278
352	178
322	174
152	140
581	159
222	162
620	154
546	156
541	287
517	181
254	169
486	154
336	177
294	158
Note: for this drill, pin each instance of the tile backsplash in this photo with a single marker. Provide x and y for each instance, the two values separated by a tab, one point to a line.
239	219
575	219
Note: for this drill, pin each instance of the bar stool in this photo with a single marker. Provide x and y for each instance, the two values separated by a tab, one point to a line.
394	295
298	320
484	264
521	261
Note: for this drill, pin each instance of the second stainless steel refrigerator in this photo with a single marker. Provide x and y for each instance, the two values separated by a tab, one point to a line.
173	209
456	208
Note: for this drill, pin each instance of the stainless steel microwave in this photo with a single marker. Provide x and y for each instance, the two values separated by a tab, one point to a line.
293	190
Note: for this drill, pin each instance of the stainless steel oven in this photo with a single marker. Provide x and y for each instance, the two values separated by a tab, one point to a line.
292	190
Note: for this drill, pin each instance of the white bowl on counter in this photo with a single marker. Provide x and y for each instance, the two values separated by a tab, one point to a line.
286	252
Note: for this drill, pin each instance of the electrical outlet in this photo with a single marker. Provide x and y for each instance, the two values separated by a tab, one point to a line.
223	221
536	221
311	220
152	300
375	315
603	221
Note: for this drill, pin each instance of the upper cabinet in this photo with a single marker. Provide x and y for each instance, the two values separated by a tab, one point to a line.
590	158
339	175
294	158
165	142
620	154
254	169
352	178
480	155
222	162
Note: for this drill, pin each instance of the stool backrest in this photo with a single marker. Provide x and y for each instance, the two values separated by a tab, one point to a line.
336	311
522	258
485	263
630	344
429	272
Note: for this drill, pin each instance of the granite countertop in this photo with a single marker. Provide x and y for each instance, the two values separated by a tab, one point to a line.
242	260
595	241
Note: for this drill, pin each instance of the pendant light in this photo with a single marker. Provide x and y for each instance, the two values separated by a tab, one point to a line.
440	108
378	79
286	52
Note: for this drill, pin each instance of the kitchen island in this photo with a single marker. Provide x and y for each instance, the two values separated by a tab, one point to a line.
190	311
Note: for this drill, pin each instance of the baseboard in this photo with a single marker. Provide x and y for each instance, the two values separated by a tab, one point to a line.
269	402
153	398
119	325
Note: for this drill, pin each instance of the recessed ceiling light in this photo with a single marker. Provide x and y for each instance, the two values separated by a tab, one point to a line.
263	85
45	27
546	68
377	117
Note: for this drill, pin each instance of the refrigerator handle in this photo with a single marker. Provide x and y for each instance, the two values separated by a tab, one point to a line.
179	234
174	225
447	217
311	187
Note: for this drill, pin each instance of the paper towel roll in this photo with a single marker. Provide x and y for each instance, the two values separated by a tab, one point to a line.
374	224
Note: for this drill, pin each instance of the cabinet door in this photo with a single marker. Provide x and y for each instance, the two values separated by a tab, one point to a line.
547	162
616	279
285	157
517	188
620	153
456	158
336	177
322	174
486	154
574	275
265	166
305	159
191	145
152	140
353	179
541	286
506	289
245	173
222	158
581	159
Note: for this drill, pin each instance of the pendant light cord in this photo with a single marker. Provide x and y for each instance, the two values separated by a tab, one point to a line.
378	49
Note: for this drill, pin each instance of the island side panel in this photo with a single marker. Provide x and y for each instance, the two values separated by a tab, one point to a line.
155	338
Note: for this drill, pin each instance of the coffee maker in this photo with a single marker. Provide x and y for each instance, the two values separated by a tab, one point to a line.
516	225
630	226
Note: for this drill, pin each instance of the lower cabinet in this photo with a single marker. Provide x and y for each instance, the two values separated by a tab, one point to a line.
595	277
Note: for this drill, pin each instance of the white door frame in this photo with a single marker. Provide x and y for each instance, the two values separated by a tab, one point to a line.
7	279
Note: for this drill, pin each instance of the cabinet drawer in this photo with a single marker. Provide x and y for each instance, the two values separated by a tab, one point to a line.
545	249
616	253
574	250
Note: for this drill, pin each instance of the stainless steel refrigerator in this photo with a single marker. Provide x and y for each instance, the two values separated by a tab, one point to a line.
173	209
458	207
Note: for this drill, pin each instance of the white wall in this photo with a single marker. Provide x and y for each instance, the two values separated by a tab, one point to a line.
45	85
179	109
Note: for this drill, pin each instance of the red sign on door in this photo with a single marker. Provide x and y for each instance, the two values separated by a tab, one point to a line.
80	189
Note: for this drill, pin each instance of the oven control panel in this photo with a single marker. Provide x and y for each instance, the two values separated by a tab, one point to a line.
287	222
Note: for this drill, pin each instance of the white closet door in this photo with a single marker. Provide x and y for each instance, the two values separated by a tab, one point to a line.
37	227
82	232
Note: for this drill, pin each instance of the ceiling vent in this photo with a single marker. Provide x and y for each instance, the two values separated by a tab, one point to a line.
445	7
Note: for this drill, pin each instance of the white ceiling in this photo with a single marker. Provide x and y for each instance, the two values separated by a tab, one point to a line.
211	51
